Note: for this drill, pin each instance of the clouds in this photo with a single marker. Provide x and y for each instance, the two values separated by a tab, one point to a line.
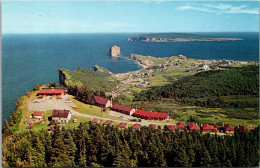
221	9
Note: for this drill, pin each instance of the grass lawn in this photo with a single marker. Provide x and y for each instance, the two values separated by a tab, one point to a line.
91	110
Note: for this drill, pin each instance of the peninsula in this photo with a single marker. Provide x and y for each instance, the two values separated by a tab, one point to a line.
177	37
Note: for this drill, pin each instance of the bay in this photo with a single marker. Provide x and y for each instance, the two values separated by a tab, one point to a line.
35	58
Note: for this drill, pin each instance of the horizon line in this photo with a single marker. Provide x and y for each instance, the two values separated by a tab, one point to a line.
134	32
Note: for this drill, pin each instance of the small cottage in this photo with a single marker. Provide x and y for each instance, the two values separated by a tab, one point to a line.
108	123
122	126
136	126
95	120
38	114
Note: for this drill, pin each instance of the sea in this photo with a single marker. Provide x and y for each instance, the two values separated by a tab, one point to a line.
28	59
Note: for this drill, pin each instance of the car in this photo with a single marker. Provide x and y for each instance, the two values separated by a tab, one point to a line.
121	117
36	101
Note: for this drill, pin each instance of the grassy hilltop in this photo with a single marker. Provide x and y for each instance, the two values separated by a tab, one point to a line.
97	79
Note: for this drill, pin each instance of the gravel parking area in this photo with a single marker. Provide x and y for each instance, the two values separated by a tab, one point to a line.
48	103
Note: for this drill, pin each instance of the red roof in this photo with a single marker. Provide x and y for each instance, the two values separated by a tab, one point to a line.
60	113
52	127
51	91
122	125
152	126
229	128
180	125
171	127
242	128
101	100
193	127
208	127
144	113
123	108
136	126
108	122
37	113
95	120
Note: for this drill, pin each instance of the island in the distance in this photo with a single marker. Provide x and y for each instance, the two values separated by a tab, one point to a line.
177	37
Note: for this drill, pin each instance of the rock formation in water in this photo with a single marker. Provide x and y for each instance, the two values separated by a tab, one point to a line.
114	51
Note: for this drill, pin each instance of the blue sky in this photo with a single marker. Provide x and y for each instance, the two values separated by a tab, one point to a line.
130	16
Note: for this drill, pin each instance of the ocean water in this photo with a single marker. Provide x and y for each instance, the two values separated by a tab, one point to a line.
35	58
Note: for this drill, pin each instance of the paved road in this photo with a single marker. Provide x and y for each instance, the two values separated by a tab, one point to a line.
144	123
119	90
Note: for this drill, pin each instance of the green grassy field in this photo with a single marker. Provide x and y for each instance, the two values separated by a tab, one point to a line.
100	79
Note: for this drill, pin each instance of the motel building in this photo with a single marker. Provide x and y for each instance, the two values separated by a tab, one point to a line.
123	109
102	102
61	116
51	92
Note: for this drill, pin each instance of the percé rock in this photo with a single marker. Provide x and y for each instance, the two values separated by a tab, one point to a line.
114	51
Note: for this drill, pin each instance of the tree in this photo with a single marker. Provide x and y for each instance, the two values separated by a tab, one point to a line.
36	87
6	129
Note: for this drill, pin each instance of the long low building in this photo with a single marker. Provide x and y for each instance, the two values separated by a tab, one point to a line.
123	109
150	115
51	92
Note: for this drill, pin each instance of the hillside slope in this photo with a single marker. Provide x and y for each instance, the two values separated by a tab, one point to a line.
223	88
97	79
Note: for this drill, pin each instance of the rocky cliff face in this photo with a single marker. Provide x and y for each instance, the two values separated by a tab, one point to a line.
62	78
114	51
132	56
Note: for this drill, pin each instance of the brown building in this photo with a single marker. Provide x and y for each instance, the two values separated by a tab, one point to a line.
122	126
95	120
108	123
61	116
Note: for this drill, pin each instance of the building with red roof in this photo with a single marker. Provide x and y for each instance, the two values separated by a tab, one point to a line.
193	127
153	126
122	126
51	92
61	116
242	128
123	109
208	128
52	127
136	126
147	115
180	125
102	102
229	129
108	123
216	127
95	120
37	114
171	127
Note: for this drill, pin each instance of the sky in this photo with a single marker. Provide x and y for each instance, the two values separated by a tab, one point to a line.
129	16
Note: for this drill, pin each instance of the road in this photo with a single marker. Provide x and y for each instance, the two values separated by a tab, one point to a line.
50	104
119	90
143	123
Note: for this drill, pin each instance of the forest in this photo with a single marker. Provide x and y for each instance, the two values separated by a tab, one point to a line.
98	146
234	88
